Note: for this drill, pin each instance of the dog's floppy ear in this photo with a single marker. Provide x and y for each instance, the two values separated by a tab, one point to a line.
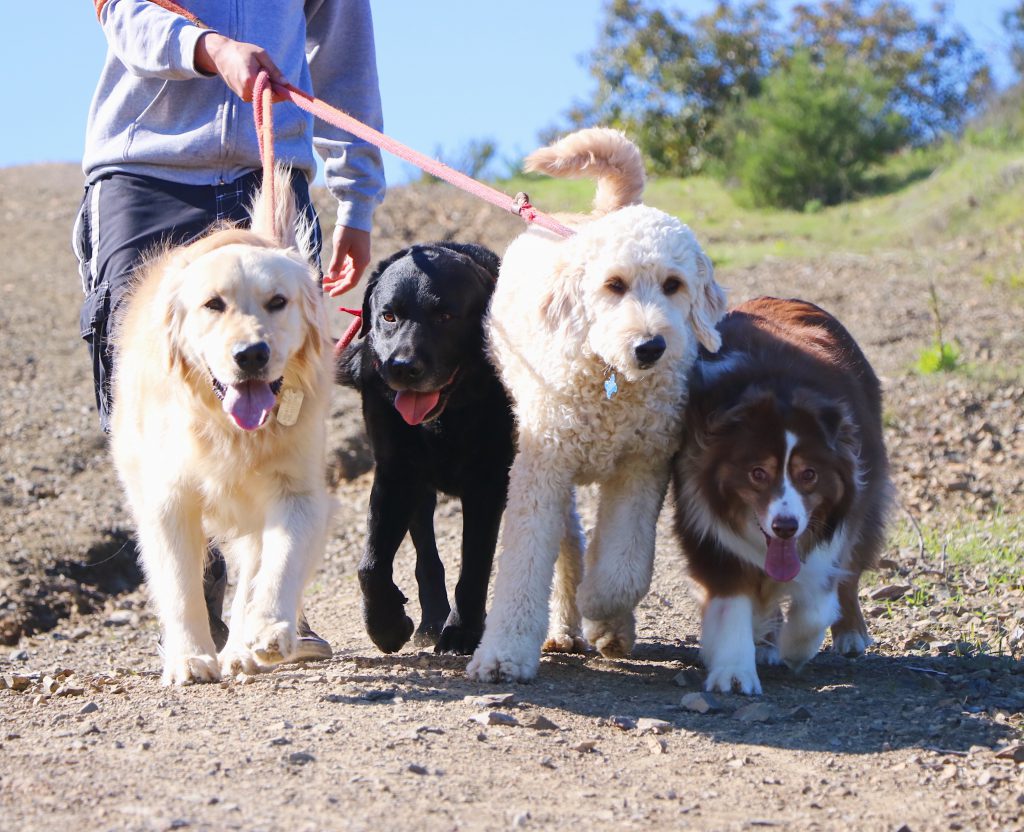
561	306
173	311
708	306
371	286
482	257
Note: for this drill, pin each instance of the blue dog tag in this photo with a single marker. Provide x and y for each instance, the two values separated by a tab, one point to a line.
610	387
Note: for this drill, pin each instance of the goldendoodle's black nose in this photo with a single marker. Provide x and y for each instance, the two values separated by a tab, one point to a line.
253	358
404	370
785	526
649	351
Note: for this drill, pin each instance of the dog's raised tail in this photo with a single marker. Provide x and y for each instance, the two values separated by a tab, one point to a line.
281	221
599	153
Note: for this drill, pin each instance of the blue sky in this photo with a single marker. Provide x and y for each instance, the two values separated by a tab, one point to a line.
451	70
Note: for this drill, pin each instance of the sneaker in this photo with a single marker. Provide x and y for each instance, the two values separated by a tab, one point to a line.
310	648
215	584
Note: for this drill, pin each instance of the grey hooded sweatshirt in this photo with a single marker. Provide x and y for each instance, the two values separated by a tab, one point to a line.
155	114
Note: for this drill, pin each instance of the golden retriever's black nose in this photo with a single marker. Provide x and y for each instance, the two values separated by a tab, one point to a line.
404	370
785	526
253	358
649	351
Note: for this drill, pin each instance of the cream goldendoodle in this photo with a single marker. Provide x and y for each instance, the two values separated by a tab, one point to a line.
221	390
593	336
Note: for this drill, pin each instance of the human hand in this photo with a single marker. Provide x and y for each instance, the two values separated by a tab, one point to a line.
350	258
236	62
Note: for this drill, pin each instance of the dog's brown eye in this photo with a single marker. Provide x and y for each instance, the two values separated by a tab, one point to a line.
616	285
444	317
758	475
388	316
277	303
672	285
808	476
215	304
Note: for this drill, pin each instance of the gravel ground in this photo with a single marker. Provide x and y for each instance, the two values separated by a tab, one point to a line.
925	732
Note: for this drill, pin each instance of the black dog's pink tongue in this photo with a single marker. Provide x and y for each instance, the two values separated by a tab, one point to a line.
414	406
249	403
782	563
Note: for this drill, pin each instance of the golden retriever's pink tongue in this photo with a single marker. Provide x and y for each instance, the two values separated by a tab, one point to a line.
249	403
782	563
414	406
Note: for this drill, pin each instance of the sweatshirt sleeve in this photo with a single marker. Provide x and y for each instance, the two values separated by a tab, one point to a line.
343	66
150	41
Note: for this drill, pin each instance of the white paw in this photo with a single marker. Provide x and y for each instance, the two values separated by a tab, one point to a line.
502	663
851	643
796	648
767	654
565	641
188	670
724	678
612	639
275	642
236	659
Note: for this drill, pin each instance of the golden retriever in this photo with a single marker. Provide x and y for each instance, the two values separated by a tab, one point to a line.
221	390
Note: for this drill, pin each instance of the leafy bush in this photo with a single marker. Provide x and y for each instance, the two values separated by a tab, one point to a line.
812	133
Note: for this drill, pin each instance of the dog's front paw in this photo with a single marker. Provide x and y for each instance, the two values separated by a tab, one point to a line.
459	638
613	639
724	678
565	641
850	643
388	626
188	670
767	654
798	645
235	659
502	663
274	643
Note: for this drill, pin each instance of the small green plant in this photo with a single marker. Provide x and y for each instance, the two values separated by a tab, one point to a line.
942	356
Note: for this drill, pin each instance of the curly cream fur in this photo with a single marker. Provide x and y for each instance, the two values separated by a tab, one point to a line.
557	331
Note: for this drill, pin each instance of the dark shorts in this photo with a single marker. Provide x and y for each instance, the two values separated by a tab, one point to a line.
122	218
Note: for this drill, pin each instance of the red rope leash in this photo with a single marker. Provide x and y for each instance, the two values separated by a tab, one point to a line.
350	333
334	116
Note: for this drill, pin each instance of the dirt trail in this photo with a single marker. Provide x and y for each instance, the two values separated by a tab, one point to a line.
918	734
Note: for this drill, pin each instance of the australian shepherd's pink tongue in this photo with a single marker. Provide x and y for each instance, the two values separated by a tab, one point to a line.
782	563
248	403
414	406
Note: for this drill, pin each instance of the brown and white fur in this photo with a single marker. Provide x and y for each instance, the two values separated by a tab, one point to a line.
216	335
781	488
627	298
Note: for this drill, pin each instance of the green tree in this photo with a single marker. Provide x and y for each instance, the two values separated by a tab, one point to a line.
1013	23
937	77
813	132
664	80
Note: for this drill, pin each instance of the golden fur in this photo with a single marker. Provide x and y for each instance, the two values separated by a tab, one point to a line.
190	471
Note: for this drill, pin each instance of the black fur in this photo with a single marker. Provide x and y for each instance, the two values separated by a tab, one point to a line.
437	295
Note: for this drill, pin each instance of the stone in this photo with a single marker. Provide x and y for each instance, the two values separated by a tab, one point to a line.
542	723
301	758
754	712
647	725
701	703
494	718
889	592
88	708
490	700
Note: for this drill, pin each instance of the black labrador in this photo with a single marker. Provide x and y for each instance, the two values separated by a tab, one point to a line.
438	419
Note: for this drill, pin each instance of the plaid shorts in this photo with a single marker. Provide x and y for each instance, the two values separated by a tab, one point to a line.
122	218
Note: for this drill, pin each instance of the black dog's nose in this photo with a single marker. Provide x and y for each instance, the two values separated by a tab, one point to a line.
649	351
404	370
785	526
253	358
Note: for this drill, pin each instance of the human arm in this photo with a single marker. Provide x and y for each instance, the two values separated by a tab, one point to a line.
343	67
151	41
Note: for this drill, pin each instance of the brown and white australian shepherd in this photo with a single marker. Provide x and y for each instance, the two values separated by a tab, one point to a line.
782	489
